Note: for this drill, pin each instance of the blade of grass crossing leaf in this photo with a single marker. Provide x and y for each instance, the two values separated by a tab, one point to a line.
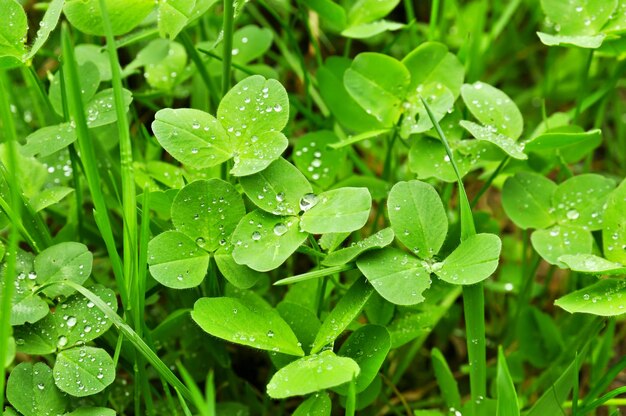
139	344
507	397
88	155
11	254
473	296
447	383
129	197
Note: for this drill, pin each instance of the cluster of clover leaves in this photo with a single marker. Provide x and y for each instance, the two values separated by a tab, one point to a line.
49	317
255	225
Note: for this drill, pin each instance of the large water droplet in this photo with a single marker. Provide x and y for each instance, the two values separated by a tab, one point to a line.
256	236
280	229
71	321
308	201
62	341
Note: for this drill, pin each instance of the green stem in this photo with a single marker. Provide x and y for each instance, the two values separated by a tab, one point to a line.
228	44
434	18
8	282
204	74
129	196
582	86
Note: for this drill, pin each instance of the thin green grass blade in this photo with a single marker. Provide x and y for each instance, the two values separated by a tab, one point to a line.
11	254
129	196
88	154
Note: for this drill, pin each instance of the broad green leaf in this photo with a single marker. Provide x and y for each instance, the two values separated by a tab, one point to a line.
580	200
342	106
64	261
31	390
606	297
318	162
173	15
46	26
416	119
240	276
378	83
49	196
379	240
176	261
365	11
474	260
78	321
207	211
234	321
193	137
101	108
346	311
85	15
93	411
166	73
581	41
310	374
560	240
507	396
317	405
445	379
260	232
337	211
490	134
614	232
39	338
527	200
258	153
251	42
578	17
277	189
431	62
13	29
83	371
396	275
253	107
493	108
368	347
590	263
50	139
417	217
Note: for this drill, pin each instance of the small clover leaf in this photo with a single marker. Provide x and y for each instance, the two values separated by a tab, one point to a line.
247	128
31	390
83	371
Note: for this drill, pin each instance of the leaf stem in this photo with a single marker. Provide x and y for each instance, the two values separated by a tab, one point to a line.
228	22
